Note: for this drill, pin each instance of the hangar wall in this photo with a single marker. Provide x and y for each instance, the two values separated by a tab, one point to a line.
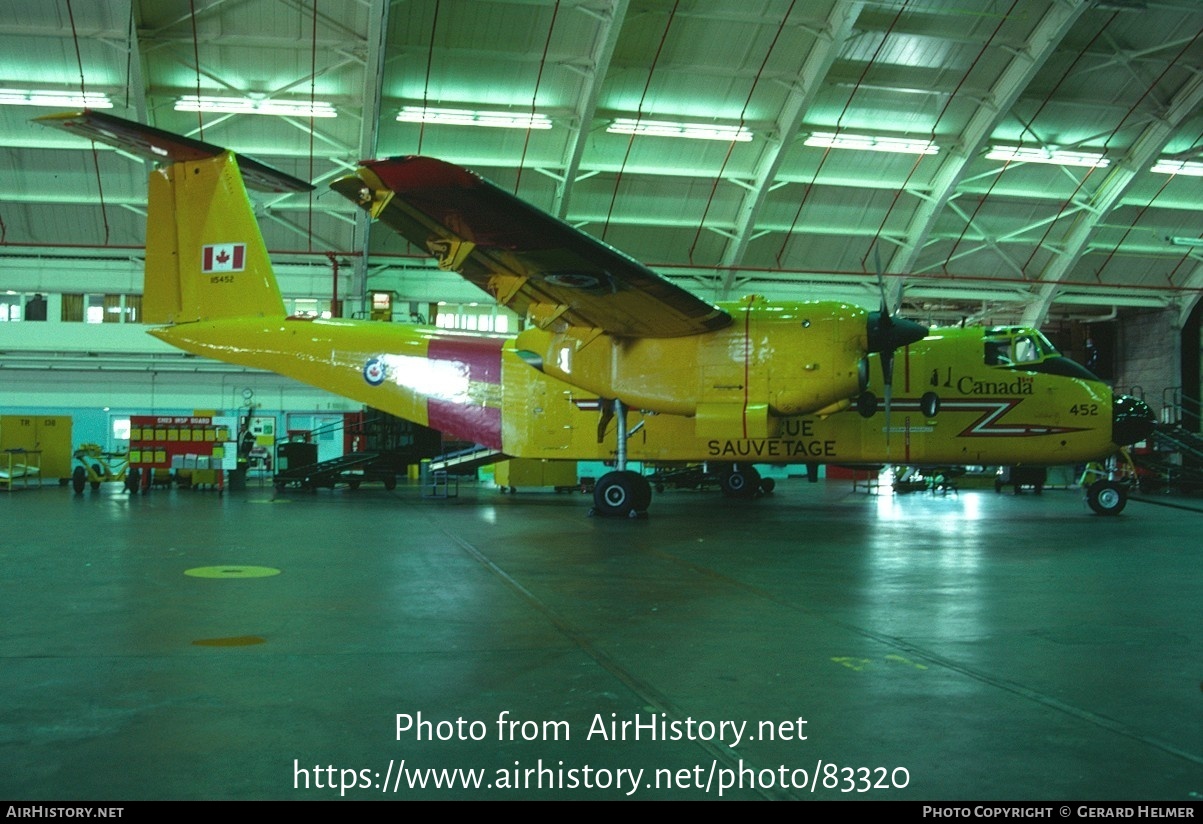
1149	357
93	398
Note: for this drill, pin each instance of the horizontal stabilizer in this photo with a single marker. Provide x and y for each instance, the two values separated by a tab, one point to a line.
159	146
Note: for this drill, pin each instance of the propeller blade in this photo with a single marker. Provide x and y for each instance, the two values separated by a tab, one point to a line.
888	333
887	374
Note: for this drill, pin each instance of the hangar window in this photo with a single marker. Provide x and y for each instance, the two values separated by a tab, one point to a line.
308	308
10	308
473	317
78	308
73	308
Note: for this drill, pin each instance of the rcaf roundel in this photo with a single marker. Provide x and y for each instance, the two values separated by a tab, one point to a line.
223	257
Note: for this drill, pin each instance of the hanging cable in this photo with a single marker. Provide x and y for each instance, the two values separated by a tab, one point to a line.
534	100
200	121
1141	213
743	113
1003	18
312	126
1131	110
104	212
1027	129
434	28
839	124
639	115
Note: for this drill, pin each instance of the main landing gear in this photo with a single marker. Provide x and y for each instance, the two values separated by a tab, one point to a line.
743	481
621	493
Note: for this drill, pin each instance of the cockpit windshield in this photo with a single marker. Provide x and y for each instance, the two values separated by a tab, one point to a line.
1017	346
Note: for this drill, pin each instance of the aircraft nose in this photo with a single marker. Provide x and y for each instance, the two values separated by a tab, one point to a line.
1131	420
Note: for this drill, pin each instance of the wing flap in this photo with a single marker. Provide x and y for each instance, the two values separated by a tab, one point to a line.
160	146
528	260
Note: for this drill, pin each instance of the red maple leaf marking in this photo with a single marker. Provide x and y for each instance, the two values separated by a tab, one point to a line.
223	256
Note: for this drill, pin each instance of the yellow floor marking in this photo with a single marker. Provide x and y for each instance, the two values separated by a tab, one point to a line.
898	659
857	664
232	571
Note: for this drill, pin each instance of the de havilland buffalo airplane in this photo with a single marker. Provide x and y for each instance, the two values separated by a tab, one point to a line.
615	362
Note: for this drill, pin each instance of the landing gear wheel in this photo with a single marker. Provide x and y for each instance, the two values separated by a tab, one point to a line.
740	482
79	479
1107	497
624	494
767	485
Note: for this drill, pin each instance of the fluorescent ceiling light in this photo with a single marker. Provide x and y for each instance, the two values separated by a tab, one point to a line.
1178	167
55	100
1191	242
1055	157
871	143
471	117
669	128
247	105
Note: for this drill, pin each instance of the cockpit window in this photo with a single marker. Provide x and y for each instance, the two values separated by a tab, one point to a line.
1014	347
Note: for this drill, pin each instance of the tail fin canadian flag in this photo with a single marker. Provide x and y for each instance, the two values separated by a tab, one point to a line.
223	257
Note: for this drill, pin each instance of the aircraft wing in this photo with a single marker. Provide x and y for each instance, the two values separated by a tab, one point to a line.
530	261
160	146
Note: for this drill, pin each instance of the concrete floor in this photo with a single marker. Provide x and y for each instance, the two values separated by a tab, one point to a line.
979	646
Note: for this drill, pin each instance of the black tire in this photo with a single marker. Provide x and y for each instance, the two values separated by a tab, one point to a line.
79	480
1107	497
740	482
767	485
621	494
132	481
390	482
353	484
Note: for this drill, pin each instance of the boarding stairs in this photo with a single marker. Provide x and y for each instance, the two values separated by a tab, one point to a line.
462	460
1174	459
352	468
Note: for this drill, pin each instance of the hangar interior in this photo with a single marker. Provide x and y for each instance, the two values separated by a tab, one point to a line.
1003	162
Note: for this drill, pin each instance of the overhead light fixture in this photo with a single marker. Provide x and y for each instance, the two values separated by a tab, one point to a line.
473	117
249	105
1055	157
55	99
1178	167
871	143
670	128
1190	242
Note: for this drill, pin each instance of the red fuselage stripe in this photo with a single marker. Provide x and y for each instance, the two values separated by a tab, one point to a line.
482	356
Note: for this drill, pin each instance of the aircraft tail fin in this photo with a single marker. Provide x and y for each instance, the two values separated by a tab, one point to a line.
205	256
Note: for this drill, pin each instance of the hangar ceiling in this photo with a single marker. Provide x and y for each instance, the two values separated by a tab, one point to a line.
977	210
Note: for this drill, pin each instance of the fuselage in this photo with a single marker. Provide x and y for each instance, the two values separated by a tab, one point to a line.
956	399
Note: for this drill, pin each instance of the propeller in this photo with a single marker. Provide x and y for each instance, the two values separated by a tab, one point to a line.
888	333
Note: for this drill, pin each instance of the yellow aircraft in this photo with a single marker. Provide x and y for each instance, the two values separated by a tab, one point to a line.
615	362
